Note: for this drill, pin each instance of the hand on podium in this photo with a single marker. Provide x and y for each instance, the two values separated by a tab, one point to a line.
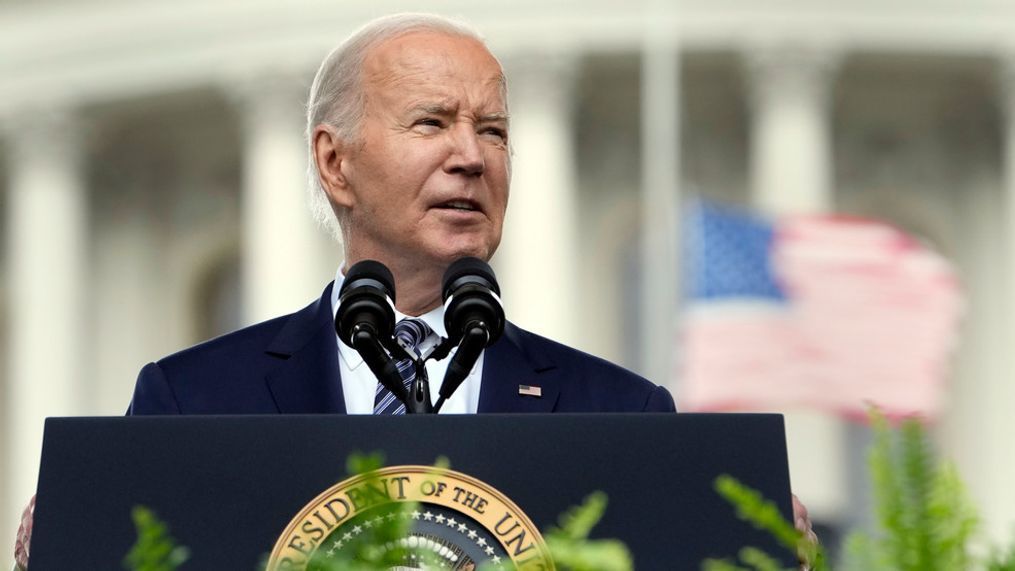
24	538
802	521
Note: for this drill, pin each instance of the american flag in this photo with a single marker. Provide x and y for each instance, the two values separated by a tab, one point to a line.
823	312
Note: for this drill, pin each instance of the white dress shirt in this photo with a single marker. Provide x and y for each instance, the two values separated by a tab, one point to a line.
359	383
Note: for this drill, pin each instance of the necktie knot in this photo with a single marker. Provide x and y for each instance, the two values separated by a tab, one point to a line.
410	333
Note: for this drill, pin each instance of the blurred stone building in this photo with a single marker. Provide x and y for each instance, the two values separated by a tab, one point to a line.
152	168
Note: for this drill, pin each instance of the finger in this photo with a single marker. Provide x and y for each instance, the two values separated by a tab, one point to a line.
24	538
799	509
801	519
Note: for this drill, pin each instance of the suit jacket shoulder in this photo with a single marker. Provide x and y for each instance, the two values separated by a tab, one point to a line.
568	380
287	364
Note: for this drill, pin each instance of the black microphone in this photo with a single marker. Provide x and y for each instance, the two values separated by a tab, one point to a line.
366	302
472	298
365	320
473	316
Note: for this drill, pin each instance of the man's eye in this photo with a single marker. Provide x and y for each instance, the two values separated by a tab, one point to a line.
429	122
495	132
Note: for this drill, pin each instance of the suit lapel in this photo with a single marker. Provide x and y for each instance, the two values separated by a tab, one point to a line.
307	379
510	363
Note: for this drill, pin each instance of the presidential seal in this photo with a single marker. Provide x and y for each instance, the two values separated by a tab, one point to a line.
441	519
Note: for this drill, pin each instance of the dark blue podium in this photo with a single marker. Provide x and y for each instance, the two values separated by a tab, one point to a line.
229	486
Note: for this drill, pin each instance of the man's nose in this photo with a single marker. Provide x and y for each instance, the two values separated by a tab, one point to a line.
467	151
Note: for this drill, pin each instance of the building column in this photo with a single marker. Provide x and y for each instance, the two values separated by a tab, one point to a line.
285	258
47	224
791	146
536	264
791	173
986	432
660	293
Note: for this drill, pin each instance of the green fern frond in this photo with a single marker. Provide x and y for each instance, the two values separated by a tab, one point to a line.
926	520
570	547
765	515
889	492
578	521
359	463
721	565
598	555
756	510
371	551
954	519
1002	560
917	481
756	559
760	560
863	553
155	549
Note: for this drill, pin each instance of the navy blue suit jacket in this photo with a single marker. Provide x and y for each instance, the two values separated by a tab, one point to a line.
289	365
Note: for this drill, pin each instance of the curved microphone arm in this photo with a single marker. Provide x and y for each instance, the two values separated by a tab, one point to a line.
474	339
385	368
380	363
418	401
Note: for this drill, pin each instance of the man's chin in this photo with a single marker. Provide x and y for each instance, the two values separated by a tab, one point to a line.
448	255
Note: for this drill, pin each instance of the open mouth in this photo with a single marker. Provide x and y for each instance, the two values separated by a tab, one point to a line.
460	206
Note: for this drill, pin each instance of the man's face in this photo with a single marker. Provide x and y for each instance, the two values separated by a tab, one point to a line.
428	177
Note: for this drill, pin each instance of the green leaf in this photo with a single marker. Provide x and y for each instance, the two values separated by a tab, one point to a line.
756	510
759	559
570	547
889	494
1002	560
862	553
359	463
954	519
720	565
765	515
926	520
578	521
155	549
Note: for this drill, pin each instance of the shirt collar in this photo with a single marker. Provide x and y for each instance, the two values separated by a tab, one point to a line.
433	318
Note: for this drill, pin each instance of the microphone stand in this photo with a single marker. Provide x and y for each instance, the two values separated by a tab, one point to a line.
418	400
381	364
473	342
385	368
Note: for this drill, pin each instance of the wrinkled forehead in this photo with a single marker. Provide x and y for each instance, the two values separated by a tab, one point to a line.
434	59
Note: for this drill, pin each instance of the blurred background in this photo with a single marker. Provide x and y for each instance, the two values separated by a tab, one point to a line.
152	195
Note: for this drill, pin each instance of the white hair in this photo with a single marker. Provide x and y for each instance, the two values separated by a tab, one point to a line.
336	96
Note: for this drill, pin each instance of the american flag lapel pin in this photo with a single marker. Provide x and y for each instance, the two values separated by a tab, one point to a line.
530	391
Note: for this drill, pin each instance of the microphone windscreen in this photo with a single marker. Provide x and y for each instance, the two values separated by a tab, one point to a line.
372	270
468	266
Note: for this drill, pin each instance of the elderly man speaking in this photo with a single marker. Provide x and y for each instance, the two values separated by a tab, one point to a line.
410	153
408	130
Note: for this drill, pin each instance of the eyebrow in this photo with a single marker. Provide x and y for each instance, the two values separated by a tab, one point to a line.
432	108
444	109
494	117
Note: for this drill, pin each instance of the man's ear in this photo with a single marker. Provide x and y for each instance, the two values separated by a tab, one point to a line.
331	153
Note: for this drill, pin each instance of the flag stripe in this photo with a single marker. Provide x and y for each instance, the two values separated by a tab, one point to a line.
820	311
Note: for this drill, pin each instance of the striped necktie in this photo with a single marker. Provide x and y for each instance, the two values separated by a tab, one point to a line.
409	333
